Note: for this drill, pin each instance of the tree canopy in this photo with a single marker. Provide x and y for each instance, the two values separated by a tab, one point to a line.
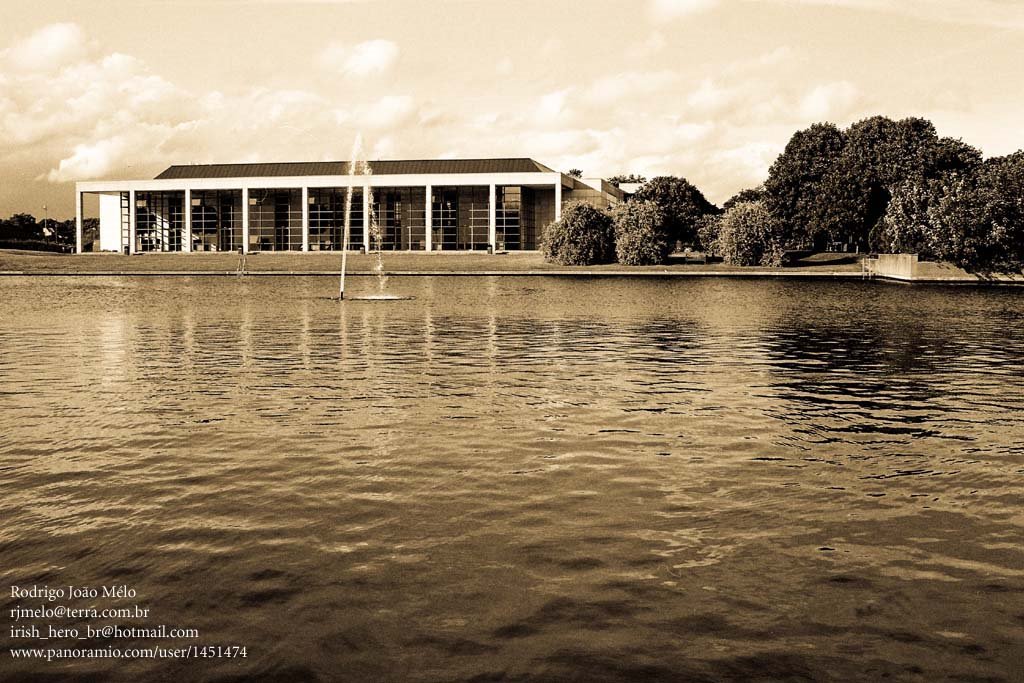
682	204
793	189
617	180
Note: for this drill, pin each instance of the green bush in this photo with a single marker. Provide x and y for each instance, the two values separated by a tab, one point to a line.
749	235
583	236
641	238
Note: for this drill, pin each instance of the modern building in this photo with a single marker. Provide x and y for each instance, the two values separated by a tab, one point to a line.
431	205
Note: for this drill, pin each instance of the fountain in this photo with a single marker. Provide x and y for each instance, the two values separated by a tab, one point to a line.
362	167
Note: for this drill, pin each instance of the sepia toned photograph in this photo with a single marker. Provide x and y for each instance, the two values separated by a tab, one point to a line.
662	341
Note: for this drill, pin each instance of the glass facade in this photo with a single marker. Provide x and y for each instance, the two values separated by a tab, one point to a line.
327	218
401	216
528	219
159	221
460	218
275	220
216	220
507	218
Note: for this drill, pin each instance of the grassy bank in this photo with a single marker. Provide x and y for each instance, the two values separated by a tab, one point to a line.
439	263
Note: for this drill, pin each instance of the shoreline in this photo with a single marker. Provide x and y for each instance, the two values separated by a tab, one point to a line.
838	267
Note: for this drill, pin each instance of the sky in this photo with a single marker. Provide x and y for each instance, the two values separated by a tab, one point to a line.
710	90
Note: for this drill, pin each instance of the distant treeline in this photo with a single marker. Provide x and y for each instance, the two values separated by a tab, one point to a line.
879	185
24	231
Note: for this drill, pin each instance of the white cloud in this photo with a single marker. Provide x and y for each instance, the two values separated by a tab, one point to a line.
388	112
998	13
504	67
630	85
829	100
649	47
664	10
709	96
92	160
553	108
362	59
49	48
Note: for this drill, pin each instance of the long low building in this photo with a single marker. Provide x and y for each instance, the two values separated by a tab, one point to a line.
431	205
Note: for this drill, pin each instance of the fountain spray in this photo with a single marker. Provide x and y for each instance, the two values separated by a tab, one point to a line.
353	166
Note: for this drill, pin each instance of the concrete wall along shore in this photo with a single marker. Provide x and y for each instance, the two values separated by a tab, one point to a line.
909	268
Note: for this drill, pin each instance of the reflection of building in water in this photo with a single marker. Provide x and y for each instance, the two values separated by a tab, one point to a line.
427	205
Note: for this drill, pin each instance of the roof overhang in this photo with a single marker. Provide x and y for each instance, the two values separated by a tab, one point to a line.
286	182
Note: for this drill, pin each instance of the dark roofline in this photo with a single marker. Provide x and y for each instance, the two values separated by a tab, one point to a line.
378	167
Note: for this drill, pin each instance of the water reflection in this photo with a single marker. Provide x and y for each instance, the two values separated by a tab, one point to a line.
527	478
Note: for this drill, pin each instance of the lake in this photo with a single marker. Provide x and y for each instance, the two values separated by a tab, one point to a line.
518	478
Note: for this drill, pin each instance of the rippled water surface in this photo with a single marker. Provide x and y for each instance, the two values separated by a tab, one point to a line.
523	479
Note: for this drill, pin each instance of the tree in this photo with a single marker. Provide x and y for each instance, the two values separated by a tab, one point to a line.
681	202
21	226
640	235
575	173
974	219
906	225
708	228
978	221
748	235
951	155
794	186
752	194
617	180
583	236
879	154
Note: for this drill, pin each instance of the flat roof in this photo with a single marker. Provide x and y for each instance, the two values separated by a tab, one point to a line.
336	168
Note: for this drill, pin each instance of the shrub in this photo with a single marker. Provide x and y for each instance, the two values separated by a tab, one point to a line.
749	235
583	236
640	235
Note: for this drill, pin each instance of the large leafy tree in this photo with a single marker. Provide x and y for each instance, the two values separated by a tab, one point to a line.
681	202
794	186
978	222
879	155
973	218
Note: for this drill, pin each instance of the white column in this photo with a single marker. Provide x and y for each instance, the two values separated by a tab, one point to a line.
366	218
492	218
186	238
132	212
558	199
305	219
245	220
428	216
78	221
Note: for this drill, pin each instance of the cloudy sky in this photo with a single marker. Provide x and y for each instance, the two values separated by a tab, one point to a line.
706	89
